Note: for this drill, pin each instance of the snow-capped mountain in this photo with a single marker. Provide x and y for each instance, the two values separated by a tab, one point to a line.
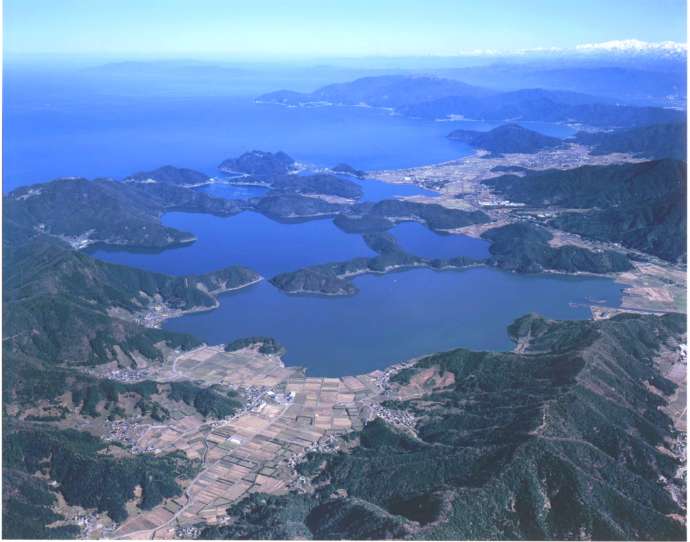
634	46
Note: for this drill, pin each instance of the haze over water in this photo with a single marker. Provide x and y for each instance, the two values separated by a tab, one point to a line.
95	124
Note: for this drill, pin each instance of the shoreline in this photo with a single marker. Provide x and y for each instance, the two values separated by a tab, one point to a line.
177	313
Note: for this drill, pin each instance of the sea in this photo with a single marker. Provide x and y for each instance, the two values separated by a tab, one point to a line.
112	121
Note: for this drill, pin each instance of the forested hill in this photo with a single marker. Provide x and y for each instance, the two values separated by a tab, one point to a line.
564	441
507	138
65	314
655	141
640	205
58	303
107	211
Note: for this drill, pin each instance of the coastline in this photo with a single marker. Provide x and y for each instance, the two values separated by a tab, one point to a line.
155	319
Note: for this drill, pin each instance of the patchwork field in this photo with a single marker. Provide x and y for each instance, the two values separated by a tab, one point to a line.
257	449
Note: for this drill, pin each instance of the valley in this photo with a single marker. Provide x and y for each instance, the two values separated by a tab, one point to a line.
481	338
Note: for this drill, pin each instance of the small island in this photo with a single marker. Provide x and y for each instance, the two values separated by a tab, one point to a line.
259	163
171	175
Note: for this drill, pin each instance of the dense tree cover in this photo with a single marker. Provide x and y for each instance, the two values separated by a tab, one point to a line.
27	509
525	248
66	296
366	223
507	138
45	266
89	394
382	215
316	184
171	175
289	207
63	335
563	441
333	278
655	141
259	163
209	402
110	212
87	477
267	345
589	187
657	227
640	205
266	517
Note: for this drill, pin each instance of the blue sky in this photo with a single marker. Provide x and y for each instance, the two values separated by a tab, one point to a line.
321	28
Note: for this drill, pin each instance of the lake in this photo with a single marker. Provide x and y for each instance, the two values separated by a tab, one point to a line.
95	123
271	247
419	240
248	239
233	191
395	316
372	190
392	318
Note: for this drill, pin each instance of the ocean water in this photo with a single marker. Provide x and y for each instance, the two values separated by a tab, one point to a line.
85	123
119	136
395	316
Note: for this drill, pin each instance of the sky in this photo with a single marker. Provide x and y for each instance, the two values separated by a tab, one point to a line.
327	28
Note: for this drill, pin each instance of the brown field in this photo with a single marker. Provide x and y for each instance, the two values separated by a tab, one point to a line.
256	450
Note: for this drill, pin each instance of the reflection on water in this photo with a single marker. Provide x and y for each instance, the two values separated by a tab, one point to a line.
248	239
395	316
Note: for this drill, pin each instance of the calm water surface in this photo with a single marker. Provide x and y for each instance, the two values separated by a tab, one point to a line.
395	316
232	191
82	123
373	190
417	239
96	124
248	239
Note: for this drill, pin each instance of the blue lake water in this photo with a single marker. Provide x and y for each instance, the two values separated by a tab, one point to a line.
248	239
373	190
101	123
233	191
417	239
395	316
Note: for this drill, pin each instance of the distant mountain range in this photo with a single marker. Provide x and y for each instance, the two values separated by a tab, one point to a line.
634	46
440	98
392	91
654	85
